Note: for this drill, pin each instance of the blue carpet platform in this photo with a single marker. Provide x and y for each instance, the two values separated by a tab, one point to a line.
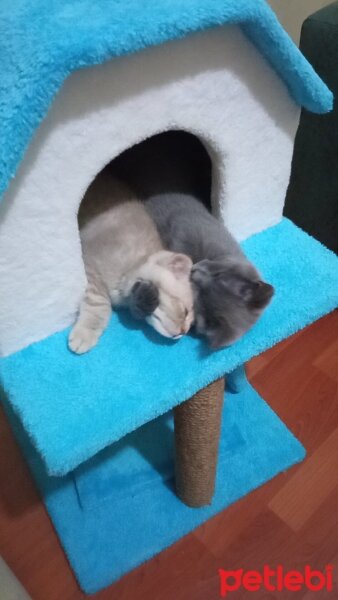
118	507
74	406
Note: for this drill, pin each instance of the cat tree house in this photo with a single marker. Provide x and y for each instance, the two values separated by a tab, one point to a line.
224	71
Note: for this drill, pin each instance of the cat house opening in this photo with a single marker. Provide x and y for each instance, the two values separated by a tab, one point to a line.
171	161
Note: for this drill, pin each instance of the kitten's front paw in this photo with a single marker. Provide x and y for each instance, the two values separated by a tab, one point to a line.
82	340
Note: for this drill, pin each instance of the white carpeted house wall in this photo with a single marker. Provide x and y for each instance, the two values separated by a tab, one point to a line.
214	85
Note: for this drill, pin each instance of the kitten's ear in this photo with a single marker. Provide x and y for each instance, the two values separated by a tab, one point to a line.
256	294
179	264
261	294
143	299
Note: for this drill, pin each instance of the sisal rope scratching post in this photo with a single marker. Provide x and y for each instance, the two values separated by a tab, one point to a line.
197	431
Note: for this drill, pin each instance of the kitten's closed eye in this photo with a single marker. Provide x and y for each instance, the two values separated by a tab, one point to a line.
144	299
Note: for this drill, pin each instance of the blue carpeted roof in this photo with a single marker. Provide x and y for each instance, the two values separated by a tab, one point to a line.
43	41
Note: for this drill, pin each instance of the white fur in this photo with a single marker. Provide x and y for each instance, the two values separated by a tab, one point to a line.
214	84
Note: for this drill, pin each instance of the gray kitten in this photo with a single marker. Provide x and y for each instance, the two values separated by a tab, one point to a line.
229	295
172	172
126	264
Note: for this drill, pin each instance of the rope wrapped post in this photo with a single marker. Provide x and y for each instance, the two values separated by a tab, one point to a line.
197	432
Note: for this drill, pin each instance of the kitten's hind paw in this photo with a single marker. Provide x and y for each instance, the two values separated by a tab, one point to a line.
81	340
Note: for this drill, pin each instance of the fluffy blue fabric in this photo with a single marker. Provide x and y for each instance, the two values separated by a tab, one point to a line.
43	41
73	406
120	508
236	380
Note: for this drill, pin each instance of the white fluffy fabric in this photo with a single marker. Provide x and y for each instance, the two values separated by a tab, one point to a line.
214	84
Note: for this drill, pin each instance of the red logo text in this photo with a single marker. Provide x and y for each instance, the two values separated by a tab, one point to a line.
276	580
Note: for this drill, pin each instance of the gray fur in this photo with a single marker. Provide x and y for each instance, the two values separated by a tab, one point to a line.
229	295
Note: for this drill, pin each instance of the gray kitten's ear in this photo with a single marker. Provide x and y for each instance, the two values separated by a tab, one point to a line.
201	274
260	294
179	264
143	299
256	294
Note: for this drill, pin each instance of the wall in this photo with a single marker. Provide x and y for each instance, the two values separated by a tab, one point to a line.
292	13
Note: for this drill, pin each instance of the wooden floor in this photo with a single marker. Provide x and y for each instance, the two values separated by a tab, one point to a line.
292	521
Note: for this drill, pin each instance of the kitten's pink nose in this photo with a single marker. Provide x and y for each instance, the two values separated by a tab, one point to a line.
183	330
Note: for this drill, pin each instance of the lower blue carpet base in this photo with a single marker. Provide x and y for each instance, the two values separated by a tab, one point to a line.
119	509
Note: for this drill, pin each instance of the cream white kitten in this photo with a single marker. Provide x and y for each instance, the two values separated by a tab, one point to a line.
126	265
